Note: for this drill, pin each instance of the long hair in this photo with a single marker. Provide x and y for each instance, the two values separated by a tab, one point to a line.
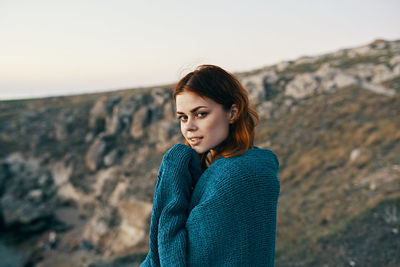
225	89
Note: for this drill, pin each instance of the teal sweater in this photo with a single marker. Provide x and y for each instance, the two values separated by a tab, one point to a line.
229	219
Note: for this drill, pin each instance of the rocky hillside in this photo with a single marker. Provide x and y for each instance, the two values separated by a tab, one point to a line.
77	173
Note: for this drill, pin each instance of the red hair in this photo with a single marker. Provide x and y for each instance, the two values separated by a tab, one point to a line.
225	89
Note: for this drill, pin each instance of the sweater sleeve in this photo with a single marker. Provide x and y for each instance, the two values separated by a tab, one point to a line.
179	170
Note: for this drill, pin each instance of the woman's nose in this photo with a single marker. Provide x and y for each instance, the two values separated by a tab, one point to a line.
190	125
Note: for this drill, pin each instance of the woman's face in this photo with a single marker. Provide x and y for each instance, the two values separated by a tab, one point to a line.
204	122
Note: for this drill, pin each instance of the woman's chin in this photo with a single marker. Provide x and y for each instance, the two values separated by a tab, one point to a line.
199	150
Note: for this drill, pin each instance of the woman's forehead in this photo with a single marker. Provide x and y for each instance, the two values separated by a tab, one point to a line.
186	101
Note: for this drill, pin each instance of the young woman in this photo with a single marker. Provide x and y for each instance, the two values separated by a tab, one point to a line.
216	196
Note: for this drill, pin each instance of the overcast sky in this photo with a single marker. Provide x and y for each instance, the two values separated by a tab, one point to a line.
50	47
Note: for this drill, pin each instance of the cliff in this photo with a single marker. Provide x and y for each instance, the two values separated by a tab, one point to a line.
77	173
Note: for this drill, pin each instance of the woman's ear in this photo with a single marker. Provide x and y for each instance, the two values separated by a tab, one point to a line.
233	113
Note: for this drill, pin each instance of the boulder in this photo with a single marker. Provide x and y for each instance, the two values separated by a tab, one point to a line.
333	78
168	134
161	96
282	66
306	60
97	151
255	87
97	115
359	51
66	191
395	60
377	88
111	158
64	125
27	196
140	120
119	229
97	229
94	156
264	110
168	111
135	215
303	85
364	71
156	114
382	73
120	119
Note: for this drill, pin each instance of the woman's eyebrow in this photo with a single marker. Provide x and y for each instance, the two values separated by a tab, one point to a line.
193	110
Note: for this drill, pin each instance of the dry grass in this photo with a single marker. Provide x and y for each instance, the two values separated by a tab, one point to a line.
319	196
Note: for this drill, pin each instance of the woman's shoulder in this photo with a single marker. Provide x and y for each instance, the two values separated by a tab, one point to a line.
252	157
254	162
254	170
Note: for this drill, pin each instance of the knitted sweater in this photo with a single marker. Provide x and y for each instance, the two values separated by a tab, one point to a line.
229	219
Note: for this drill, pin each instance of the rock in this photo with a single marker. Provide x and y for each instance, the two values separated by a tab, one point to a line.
97	151
168	133
38	140
338	54
98	115
142	154
100	225
396	71
135	216
111	158
115	123
4	176
62	171
259	86
119	190
101	118
169	111
364	71
306	60
64	125
380	89
264	110
359	51
89	137
94	156
125	112
271	89
381	73
302	85
161	96
61	131
379	44
355	153
255	87
332	78
156	114
28	194
45	179
105	182
344	80
119	229
140	120
395	60
283	65
35	195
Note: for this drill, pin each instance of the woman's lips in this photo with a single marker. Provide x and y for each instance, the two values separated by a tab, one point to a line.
194	141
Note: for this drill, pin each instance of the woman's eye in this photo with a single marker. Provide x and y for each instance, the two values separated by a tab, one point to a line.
182	118
202	114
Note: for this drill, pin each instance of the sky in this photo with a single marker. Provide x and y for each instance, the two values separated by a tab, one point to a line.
57	47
